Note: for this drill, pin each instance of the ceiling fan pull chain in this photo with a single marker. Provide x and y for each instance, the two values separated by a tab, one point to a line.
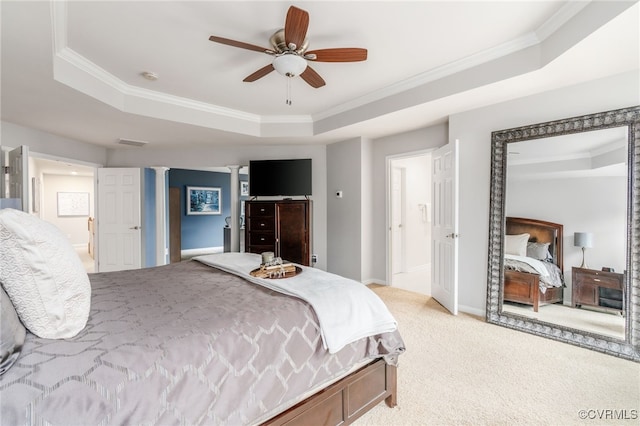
288	91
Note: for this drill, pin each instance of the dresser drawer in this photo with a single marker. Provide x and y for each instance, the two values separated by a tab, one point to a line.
261	209
599	280
260	224
262	239
259	249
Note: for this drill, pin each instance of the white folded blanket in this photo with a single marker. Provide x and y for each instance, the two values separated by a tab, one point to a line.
346	309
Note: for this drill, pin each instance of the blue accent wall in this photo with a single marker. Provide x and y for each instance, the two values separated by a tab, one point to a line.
149	212
202	231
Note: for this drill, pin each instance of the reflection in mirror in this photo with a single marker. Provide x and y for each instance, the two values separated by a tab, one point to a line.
564	226
579	182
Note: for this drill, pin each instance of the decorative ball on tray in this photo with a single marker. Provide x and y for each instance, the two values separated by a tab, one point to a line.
274	267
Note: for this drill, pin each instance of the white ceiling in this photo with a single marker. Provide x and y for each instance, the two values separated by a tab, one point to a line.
74	68
591	153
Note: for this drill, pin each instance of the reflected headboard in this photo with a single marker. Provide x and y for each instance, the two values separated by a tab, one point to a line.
540	232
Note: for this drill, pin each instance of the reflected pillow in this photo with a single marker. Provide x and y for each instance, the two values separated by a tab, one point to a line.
43	276
516	244
538	251
12	333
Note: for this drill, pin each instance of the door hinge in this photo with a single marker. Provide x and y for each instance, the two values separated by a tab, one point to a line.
6	170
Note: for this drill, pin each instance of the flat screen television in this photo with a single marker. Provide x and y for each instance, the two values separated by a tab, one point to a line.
285	178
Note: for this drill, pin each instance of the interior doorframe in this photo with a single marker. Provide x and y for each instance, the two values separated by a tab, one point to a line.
388	173
95	166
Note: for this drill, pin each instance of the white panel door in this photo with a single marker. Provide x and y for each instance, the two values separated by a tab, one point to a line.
19	175
119	219
398	255
444	199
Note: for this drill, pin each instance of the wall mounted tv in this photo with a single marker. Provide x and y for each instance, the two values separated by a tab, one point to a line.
284	178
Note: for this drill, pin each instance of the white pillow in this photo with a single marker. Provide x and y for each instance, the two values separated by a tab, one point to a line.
538	251
43	276
516	244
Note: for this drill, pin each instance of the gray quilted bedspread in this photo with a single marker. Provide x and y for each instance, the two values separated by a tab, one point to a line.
178	344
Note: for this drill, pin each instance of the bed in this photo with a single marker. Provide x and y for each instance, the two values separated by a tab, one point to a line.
522	283
189	343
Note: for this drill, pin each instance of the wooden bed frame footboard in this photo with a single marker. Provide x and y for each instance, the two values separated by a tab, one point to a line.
523	287
346	400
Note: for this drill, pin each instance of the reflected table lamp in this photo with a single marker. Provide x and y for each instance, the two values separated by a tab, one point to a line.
583	240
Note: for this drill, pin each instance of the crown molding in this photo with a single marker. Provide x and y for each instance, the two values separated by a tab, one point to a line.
434	74
553	24
106	87
286	119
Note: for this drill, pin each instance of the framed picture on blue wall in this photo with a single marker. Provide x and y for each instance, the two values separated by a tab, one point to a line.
203	200
244	188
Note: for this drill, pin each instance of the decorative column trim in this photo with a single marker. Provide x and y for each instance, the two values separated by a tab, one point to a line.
161	216
234	187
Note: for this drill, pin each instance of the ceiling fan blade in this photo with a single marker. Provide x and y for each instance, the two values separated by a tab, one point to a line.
295	27
346	54
312	77
259	74
240	44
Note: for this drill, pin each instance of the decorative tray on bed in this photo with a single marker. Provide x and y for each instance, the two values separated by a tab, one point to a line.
286	270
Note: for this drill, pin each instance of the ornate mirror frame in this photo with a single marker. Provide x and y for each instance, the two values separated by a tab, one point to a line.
628	348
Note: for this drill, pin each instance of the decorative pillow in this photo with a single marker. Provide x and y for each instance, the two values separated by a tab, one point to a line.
538	251
516	244
43	276
12	333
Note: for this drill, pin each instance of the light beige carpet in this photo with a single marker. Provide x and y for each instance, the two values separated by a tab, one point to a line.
460	370
608	323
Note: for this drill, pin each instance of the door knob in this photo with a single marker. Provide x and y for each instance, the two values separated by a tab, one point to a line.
136	227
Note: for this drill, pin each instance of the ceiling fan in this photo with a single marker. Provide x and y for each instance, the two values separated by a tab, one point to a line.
289	48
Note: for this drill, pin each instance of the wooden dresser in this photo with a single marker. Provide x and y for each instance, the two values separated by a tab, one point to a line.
597	288
283	227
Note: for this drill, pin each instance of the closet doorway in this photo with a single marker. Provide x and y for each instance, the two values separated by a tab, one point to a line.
409	213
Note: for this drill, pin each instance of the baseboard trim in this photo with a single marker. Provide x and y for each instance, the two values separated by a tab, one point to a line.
374	281
472	311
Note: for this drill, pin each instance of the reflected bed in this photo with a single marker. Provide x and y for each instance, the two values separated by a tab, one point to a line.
522	284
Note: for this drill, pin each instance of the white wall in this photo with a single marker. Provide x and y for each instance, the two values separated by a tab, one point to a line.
473	129
366	217
75	228
344	215
47	145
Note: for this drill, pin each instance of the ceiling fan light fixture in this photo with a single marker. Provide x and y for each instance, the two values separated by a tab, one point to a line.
290	64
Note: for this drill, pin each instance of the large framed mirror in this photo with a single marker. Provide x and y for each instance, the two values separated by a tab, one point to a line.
564	231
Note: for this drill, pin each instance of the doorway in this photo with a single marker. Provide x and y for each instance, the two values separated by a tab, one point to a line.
50	177
409	212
